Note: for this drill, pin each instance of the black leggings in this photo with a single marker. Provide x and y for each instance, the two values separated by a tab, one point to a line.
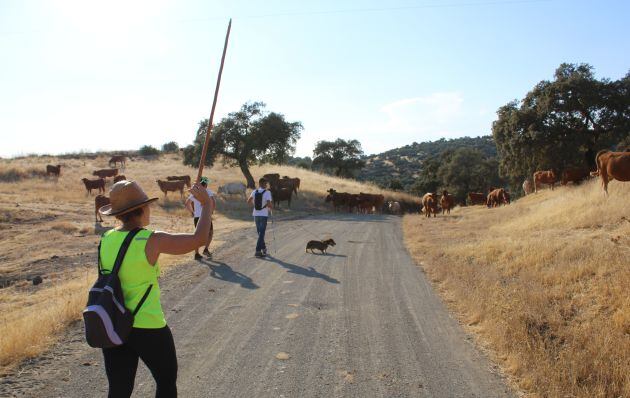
156	349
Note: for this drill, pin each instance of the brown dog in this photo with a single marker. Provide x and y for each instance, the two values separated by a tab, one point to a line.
319	245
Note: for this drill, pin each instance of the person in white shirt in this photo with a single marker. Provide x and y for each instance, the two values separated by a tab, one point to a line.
262	201
194	207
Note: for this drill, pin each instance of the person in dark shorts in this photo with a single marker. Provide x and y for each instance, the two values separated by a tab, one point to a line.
194	207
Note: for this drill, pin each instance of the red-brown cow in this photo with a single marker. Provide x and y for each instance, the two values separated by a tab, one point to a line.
429	204
104	173
574	175
120	177
99	201
496	198
612	166
544	177
477	198
94	184
53	170
447	202
172	186
186	179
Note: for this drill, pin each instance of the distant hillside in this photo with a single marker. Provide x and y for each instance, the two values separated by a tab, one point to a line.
405	162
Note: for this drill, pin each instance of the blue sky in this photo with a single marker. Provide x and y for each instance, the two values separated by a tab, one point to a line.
85	75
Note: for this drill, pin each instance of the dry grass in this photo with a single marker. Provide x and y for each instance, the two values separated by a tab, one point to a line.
544	282
47	228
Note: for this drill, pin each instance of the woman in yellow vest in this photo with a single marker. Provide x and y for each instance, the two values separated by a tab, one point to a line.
150	339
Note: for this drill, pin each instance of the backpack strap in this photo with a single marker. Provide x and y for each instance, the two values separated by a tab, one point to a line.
142	300
123	249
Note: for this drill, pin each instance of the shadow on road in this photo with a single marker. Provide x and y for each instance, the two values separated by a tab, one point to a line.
224	272
296	269
328	254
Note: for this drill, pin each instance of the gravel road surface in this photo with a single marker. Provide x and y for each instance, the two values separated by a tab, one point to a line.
361	321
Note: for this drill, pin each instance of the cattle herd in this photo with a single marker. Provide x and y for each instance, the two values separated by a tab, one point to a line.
610	166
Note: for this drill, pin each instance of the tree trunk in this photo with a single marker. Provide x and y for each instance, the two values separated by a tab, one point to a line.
251	184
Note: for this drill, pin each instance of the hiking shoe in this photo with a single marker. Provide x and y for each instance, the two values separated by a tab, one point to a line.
198	256
207	253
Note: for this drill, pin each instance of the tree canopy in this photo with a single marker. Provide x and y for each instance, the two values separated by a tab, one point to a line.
247	136
341	158
562	123
170	147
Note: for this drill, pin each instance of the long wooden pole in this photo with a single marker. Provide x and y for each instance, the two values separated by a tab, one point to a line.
204	151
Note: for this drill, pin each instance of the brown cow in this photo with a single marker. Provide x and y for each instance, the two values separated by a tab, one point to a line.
295	180
447	202
574	175
272	179
120	177
99	201
394	207
94	184
477	198
496	198
612	166
429	204
186	179
339	199
288	183
104	173
280	195
117	159
527	186
368	201
173	186
53	170
544	177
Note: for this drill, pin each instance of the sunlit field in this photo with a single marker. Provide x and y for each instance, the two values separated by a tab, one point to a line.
48	229
544	282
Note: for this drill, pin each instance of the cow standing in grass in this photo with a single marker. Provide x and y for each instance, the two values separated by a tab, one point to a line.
447	202
53	170
117	159
94	184
544	177
99	201
612	166
104	173
186	179
172	186
429	204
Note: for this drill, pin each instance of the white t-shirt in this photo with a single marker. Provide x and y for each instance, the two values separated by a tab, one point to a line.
266	197
197	204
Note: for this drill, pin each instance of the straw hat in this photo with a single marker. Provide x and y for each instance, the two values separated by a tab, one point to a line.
125	196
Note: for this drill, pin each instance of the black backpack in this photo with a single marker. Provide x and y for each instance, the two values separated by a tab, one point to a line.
107	321
258	198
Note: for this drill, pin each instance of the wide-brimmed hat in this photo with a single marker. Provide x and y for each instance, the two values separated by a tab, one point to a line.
125	196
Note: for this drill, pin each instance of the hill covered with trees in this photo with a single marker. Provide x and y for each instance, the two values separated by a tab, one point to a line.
401	168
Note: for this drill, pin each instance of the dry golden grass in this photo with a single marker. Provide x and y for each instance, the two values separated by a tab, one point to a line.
47	228
544	282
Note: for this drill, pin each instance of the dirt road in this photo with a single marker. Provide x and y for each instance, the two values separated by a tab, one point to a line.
361	321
